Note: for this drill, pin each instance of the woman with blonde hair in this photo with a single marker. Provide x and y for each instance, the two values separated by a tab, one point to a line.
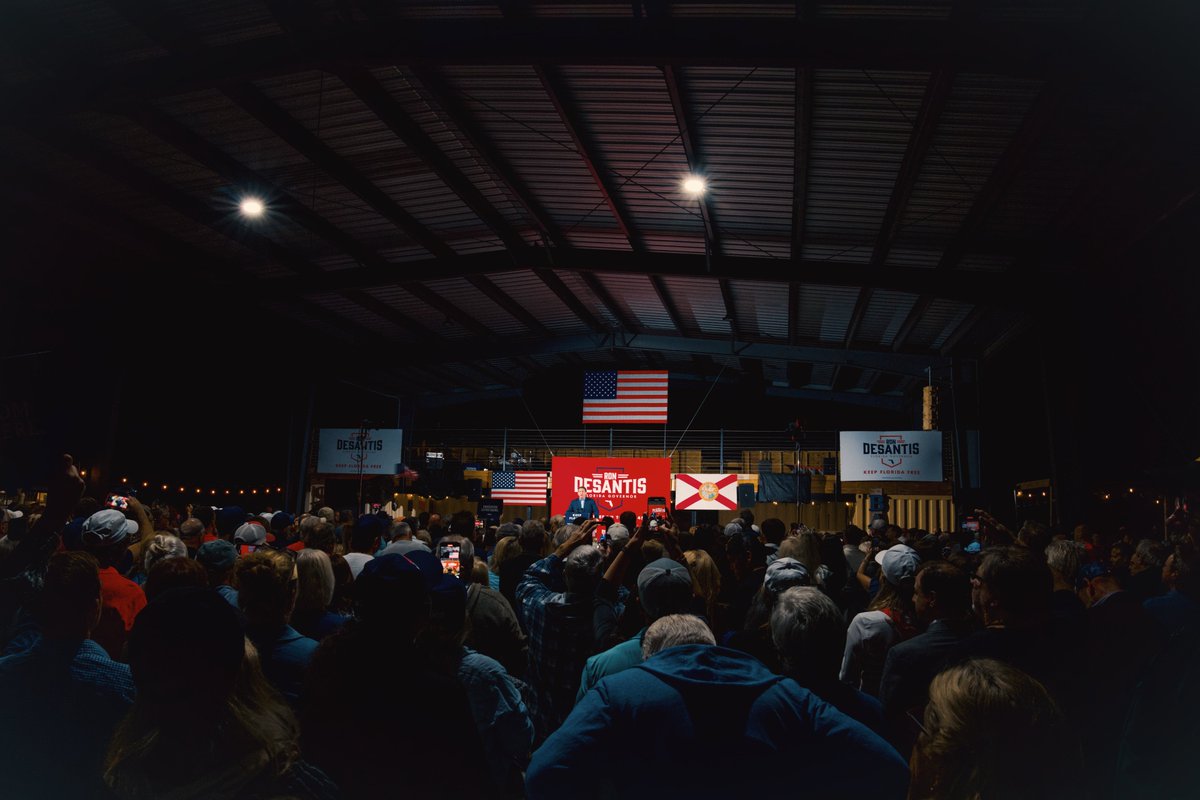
162	546
706	583
991	732
312	616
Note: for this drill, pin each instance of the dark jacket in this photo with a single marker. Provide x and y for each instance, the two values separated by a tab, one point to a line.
911	665
582	509
705	721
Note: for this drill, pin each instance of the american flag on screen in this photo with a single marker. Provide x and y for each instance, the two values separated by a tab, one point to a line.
523	488
625	396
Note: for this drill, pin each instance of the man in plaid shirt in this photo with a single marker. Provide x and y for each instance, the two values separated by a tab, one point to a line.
555	597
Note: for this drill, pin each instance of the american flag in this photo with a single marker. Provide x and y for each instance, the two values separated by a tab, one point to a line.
524	488
625	396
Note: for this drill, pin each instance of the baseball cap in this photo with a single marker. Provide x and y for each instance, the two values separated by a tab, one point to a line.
218	555
389	588
1093	569
784	573
447	594
11	513
107	527
281	520
898	562
250	533
229	518
664	587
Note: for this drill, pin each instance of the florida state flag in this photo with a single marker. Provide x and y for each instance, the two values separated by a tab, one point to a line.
705	492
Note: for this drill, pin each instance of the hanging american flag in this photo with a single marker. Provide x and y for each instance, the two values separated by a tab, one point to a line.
523	488
625	396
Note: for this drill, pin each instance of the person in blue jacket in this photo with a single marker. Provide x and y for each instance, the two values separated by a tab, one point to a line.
698	720
581	508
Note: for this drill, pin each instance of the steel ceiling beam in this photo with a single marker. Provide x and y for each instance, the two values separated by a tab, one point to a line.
626	321
389	111
962	285
1029	49
692	151
446	97
561	98
910	364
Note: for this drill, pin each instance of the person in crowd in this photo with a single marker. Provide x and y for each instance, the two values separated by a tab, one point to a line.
888	620
556	600
774	532
664	588
1120	646
229	519
493	628
62	698
533	540
268	583
283	528
172	573
706	585
1180	606
106	535
364	541
755	637
324	537
1063	560
312	616
343	734
1011	592
809	634
162	546
992	731
1033	536
747	563
191	531
853	537
501	717
1145	569
508	546
251	536
1118	559
805	547
697	720
942	604
205	723
208	518
404	540
219	557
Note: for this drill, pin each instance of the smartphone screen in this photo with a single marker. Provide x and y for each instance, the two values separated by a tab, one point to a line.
598	533
971	524
449	555
119	502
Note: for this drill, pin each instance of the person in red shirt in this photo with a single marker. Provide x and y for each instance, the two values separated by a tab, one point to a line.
107	535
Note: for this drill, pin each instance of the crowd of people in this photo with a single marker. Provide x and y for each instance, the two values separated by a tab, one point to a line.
157	652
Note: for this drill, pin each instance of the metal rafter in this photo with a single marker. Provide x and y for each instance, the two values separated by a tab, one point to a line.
373	95
664	297
505	301
911	364
910	322
555	284
964	327
937	93
730	305
608	301
1029	50
969	286
802	135
691	150
560	96
452	312
279	122
445	96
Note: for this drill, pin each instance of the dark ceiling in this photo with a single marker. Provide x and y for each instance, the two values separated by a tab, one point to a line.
491	191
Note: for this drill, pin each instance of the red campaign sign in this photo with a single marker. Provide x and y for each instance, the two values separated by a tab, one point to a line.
616	484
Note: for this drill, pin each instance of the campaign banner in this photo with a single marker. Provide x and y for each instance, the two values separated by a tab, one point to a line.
702	492
891	455
358	451
616	484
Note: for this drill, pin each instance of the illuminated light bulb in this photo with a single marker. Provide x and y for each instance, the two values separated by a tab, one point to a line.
252	207
694	185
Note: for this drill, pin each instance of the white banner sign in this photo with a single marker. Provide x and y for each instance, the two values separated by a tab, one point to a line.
355	451
891	455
